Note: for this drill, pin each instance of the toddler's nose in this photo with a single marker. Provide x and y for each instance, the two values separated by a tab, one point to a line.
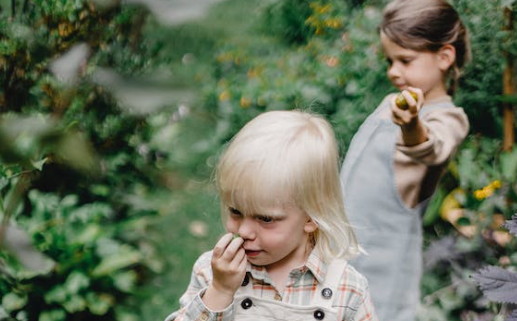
247	229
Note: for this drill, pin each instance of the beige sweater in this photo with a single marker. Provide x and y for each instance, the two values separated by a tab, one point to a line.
419	168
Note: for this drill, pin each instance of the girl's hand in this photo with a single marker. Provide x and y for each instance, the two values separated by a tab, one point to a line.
407	116
228	268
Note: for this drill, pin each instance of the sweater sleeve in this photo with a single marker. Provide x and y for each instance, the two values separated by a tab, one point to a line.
192	307
446	129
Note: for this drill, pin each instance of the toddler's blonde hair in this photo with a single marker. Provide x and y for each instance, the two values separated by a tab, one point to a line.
289	158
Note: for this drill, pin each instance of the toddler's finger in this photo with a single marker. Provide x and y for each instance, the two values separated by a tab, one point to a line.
243	260
233	248
221	245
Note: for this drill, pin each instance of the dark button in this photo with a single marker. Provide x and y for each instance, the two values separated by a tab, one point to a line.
246	303
319	315
326	293
246	280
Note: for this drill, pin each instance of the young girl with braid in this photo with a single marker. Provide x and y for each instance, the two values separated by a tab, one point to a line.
398	155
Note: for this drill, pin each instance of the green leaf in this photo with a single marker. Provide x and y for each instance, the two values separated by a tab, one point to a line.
509	165
57	294
432	213
39	164
125	281
12	301
121	256
99	304
52	315
18	242
7	47
76	303
75	150
76	282
463	221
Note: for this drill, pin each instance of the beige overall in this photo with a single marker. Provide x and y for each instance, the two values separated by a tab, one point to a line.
251	308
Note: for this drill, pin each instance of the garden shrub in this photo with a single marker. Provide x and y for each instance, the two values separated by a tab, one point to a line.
77	164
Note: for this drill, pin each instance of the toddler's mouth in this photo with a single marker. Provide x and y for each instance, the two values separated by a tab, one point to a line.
252	252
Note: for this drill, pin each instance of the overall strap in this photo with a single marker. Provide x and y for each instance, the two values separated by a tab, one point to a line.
328	289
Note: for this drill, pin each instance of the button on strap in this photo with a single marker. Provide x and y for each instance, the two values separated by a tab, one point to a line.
319	315
246	303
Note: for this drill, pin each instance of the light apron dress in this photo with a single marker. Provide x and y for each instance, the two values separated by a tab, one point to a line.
389	231
251	308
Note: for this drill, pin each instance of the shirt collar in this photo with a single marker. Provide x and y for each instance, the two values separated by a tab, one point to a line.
314	264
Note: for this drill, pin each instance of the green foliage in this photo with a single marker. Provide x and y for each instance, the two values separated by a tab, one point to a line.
93	265
481	85
76	168
331	72
485	198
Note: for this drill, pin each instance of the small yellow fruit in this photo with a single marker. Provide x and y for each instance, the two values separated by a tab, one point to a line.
235	236
401	102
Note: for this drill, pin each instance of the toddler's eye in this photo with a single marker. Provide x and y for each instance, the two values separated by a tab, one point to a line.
234	211
265	219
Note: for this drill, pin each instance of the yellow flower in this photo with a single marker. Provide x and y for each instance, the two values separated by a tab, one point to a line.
496	184
488	190
333	23
224	96
245	102
479	194
319	8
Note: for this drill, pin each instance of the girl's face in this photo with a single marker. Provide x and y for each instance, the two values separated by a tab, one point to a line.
276	238
420	69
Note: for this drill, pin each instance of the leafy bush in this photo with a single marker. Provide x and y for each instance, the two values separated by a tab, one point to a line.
469	225
77	159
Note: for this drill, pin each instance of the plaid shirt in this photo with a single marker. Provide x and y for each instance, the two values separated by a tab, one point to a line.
352	300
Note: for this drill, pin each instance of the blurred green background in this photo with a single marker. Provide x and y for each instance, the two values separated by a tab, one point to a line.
112	115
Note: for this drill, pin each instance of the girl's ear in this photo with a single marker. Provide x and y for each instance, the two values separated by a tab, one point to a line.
310	226
446	57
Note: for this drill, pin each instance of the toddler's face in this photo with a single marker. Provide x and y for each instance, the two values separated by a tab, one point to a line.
278	236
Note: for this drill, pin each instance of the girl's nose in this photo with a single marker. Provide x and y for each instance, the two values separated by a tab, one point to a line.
393	72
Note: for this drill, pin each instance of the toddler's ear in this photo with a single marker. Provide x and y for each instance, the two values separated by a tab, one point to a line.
446	57
310	226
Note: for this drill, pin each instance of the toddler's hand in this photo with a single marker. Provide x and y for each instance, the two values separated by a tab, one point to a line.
228	265
409	115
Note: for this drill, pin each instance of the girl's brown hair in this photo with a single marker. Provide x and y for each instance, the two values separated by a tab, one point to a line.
428	25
